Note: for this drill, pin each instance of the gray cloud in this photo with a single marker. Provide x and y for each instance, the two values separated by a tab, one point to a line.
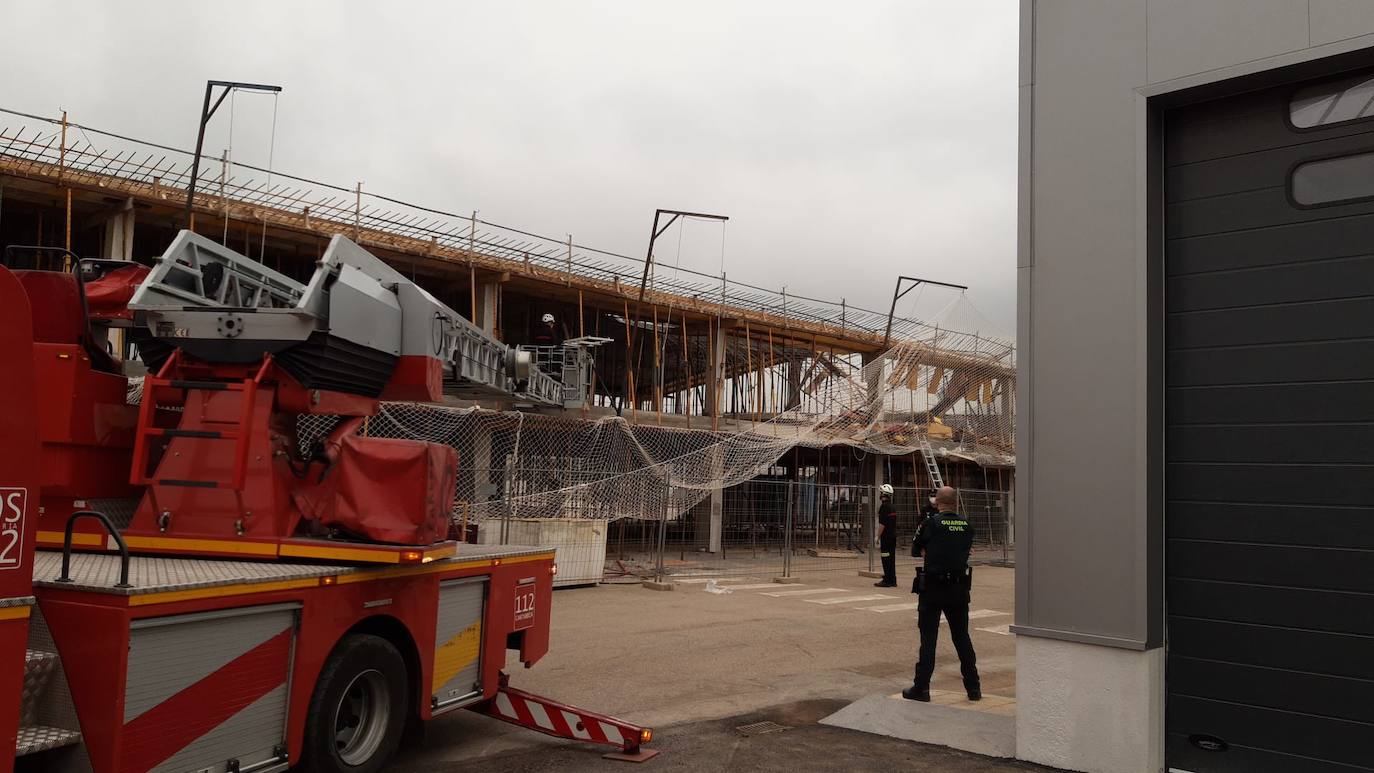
846	146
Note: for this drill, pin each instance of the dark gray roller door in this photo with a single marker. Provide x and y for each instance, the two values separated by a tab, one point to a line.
1269	445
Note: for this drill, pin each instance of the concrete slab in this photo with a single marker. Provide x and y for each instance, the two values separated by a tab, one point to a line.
990	733
656	585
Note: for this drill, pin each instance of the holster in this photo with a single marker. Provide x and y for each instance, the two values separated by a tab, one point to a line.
958	579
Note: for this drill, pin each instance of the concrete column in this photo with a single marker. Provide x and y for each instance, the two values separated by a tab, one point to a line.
716	374
873	407
480	464
710	514
486	306
794	384
118	243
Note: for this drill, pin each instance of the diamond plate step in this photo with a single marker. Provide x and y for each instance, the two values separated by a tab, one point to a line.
40	738
39	666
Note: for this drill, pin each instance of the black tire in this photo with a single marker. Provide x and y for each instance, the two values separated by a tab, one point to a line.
358	710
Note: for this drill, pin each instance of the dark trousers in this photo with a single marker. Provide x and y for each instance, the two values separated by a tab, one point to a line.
955	610
889	556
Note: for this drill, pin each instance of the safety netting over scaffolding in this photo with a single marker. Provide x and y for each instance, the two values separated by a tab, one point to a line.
951	397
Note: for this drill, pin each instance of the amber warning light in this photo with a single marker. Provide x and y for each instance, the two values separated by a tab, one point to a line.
412	556
646	735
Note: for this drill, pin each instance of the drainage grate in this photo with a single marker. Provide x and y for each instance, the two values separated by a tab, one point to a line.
759	728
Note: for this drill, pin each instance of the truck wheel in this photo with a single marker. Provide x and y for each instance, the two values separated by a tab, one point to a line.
358	711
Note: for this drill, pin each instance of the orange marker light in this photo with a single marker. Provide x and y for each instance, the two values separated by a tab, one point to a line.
646	735
412	556
330	580
496	562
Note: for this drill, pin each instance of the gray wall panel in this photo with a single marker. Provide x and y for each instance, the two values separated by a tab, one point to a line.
1084	522
1084	284
1333	20
1192	36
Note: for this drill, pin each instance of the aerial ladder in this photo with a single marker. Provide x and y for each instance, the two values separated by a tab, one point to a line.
184	588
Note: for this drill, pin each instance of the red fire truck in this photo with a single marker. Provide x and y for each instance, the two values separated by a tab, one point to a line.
190	584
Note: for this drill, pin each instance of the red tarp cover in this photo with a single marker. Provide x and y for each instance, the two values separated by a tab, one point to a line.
108	297
395	491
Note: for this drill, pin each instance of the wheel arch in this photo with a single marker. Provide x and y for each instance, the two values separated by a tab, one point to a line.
398	634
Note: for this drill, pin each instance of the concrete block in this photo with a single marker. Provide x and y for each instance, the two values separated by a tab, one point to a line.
787	580
871	574
980	732
656	585
1087	707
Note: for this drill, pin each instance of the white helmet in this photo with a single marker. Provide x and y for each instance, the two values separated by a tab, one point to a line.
886	489
547	318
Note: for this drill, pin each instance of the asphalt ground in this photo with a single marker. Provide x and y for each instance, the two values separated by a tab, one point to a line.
695	665
718	745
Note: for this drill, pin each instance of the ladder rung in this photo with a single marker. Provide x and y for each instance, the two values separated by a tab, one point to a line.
188	483
216	386
206	434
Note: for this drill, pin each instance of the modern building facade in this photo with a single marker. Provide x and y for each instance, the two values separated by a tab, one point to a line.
1196	446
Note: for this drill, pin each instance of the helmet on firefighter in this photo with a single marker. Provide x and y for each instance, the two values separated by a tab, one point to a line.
886	489
547	319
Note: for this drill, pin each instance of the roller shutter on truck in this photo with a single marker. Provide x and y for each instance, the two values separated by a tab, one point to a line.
209	687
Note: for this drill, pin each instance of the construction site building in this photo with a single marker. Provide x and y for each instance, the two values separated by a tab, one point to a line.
680	359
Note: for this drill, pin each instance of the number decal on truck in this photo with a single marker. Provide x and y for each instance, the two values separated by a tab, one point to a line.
13	506
524	605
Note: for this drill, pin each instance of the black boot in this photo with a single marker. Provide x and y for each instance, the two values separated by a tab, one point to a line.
917	693
975	693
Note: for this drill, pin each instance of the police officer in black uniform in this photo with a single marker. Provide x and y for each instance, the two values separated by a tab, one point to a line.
944	584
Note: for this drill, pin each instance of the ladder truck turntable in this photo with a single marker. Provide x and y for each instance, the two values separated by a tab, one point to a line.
184	588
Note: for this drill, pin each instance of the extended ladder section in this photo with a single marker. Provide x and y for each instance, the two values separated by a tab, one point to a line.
932	468
353	327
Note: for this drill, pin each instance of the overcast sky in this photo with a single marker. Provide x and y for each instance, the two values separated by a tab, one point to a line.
848	143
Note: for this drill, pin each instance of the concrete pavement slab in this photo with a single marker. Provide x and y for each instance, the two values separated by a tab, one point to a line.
981	732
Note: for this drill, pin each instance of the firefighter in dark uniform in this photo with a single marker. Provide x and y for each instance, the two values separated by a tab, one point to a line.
944	584
887	539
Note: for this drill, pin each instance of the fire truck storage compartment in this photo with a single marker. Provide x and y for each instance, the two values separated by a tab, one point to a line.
458	643
243	655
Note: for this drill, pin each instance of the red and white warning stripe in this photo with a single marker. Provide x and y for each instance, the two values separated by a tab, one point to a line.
557	719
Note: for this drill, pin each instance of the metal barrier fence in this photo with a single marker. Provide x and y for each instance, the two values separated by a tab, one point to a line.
763	528
767	528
